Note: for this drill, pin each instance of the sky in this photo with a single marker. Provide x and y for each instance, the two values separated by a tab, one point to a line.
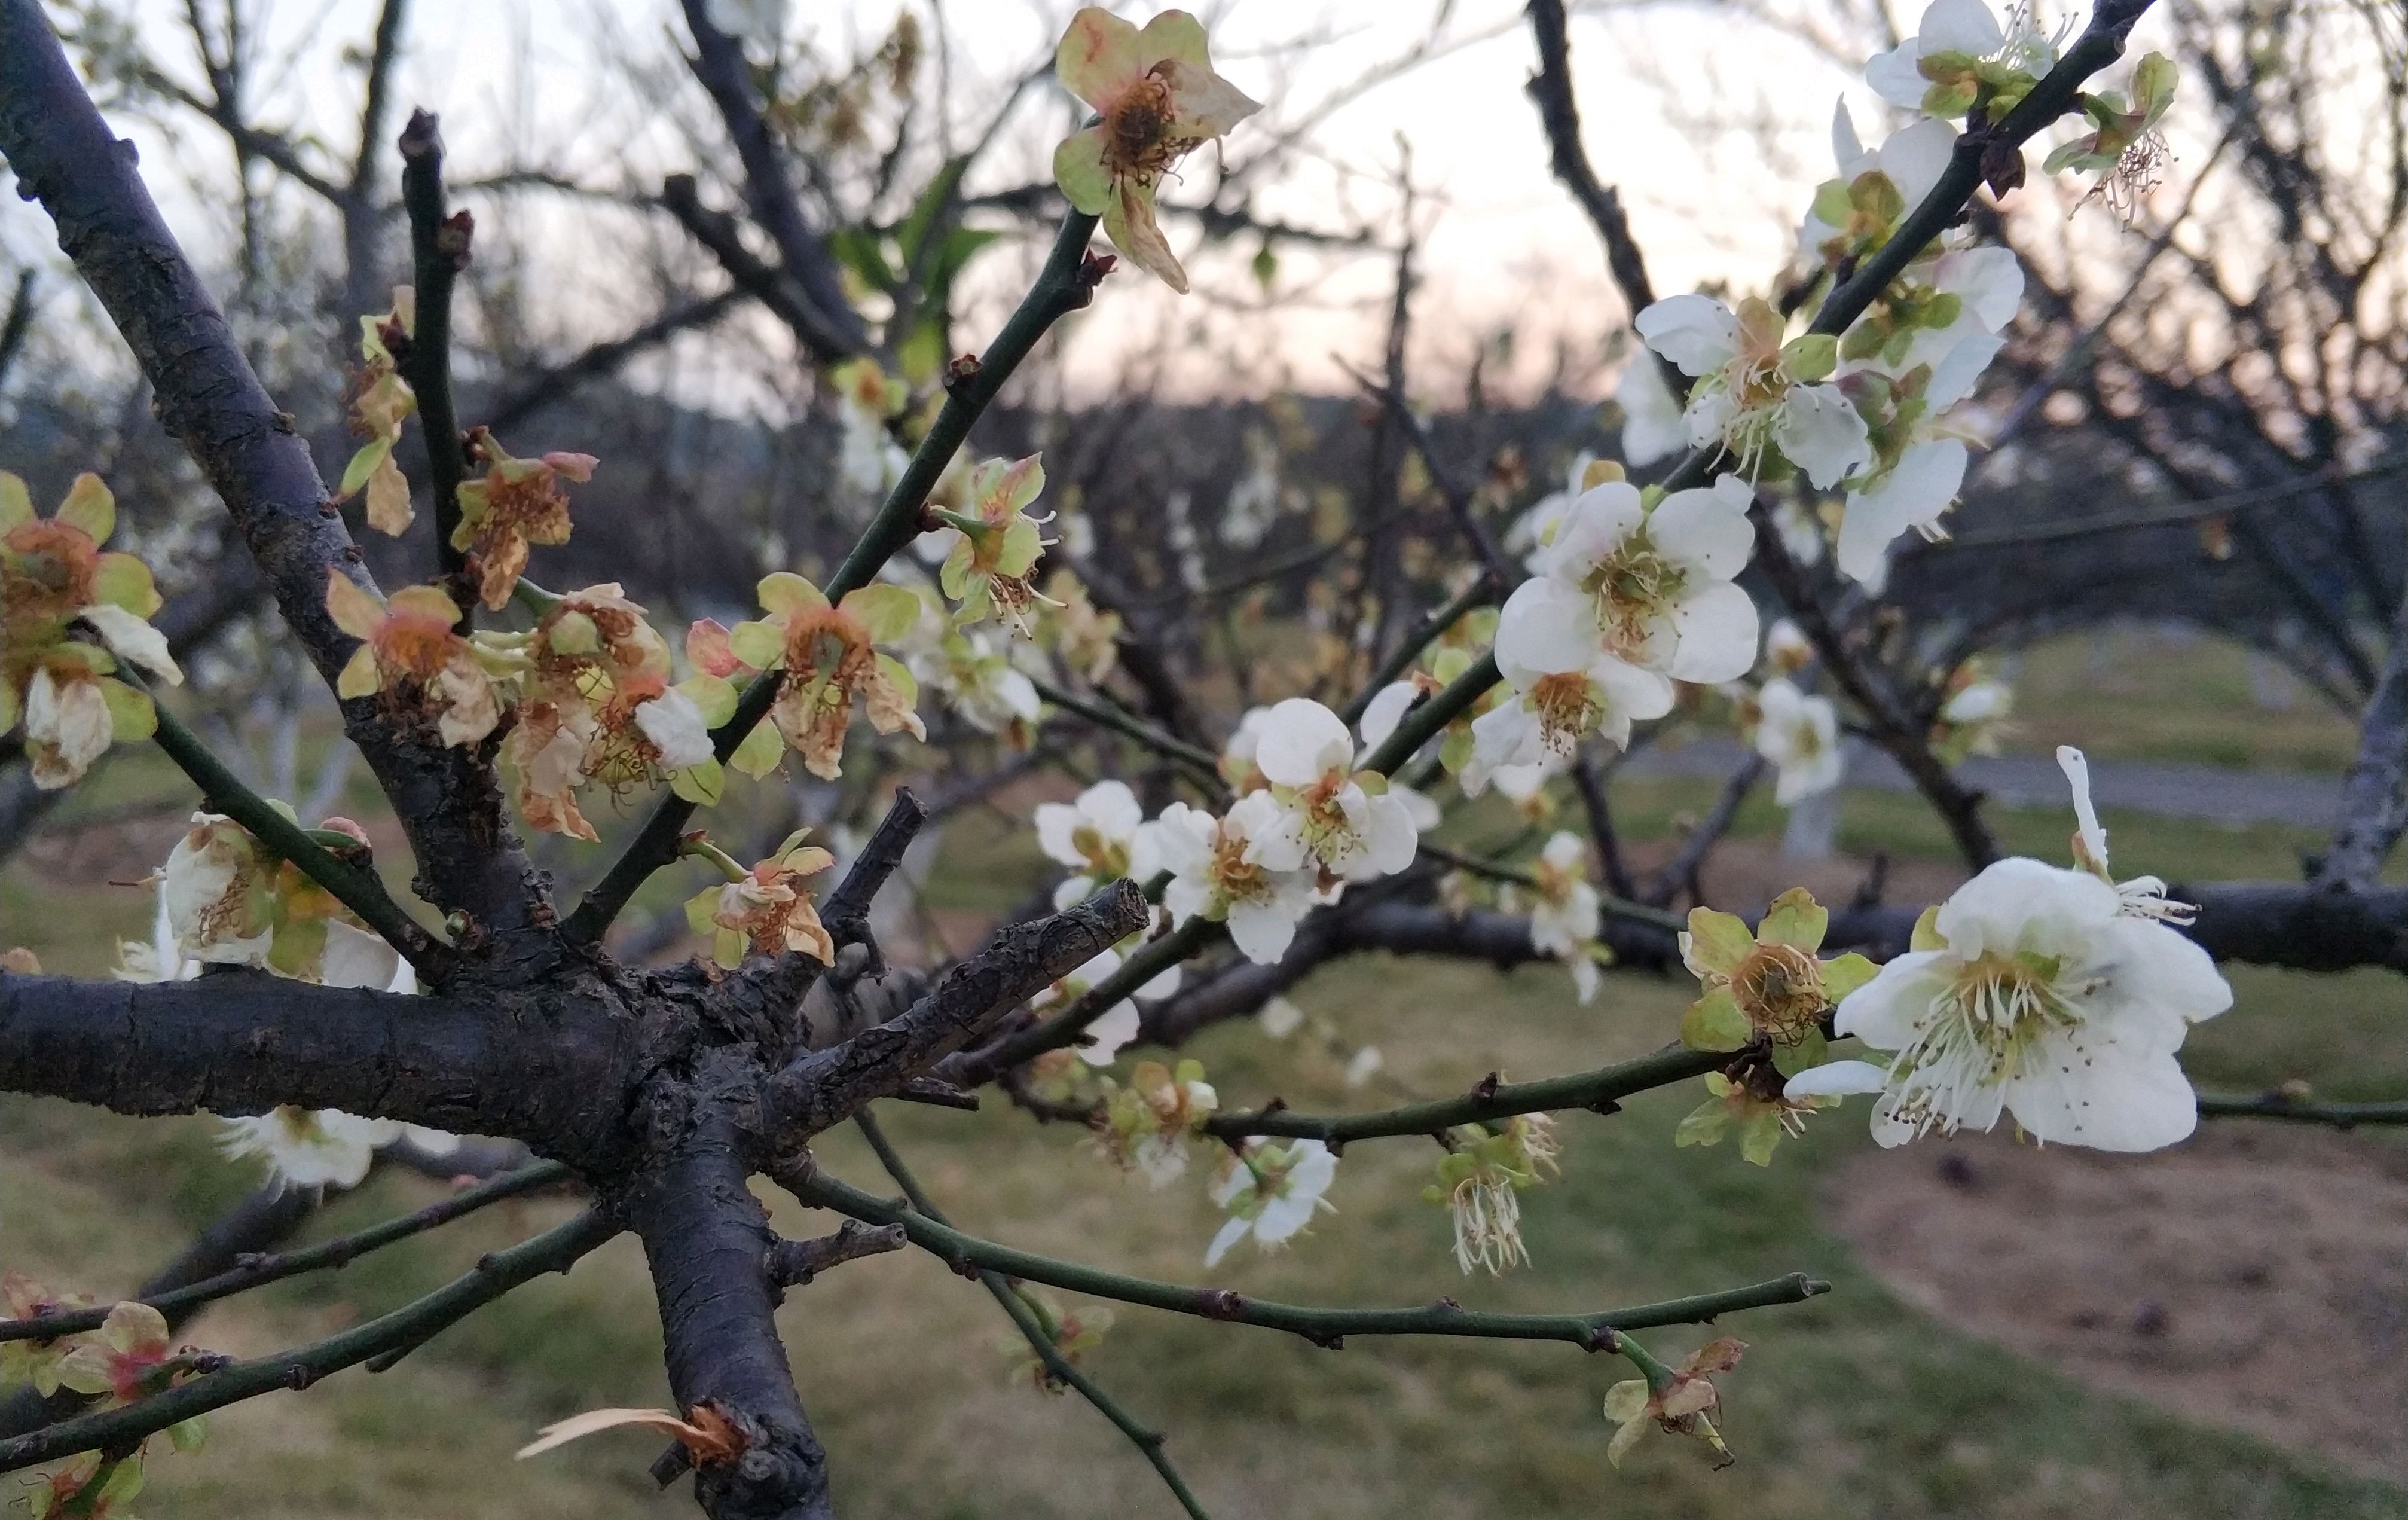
1714	130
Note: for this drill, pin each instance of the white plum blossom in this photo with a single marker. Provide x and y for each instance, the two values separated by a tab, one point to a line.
1100	837
1565	920
1327	814
1363	1066
1118	1023
1801	735
1238	766
1756	395
1656	584
1271	1191
1537	523
1550	710
2033	994
1912	159
1787	648
1914	494
1214	877
2142	896
1966	27
325	1148
1653	427
68	727
975	674
208	888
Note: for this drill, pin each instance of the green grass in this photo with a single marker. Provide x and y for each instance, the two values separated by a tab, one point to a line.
2133	693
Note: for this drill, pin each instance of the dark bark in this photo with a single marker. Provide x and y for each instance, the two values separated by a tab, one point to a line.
246	1042
824	1087
832	330
708	1243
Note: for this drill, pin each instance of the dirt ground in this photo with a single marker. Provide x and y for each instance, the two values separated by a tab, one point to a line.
2255	1278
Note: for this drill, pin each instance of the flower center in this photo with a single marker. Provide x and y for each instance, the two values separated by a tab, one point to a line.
1984	1030
1567	706
1780	988
1633	587
1137	130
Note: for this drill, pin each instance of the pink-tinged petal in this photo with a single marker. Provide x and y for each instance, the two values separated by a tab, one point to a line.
422	602
578	467
1099	56
355	611
707	649
1203	103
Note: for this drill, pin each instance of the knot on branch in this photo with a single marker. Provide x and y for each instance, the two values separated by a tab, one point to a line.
793	1263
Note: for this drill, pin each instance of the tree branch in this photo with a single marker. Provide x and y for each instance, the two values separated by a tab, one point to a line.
1058	1367
238	1042
439	246
554	1250
1327	1327
834	330
251	1271
1066	283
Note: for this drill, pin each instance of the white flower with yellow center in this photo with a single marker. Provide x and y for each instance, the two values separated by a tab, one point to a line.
1271	1192
1213	876
1118	1024
1961	37
1756	396
2031	993
1347	825
1657	584
1097	836
1801	735
1565	920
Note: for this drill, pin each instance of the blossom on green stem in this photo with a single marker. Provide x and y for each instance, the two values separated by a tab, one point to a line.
381	401
1156	98
1477	1180
1677	1401
1000	544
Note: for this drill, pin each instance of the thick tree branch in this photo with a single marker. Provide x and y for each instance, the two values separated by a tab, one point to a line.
246	1042
2375	798
710	1247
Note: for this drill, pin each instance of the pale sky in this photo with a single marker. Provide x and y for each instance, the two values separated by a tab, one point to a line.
1504	244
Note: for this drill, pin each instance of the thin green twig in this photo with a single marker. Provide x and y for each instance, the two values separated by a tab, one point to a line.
1147	1440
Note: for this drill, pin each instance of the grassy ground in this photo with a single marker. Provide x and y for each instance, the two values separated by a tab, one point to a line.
1853	1405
